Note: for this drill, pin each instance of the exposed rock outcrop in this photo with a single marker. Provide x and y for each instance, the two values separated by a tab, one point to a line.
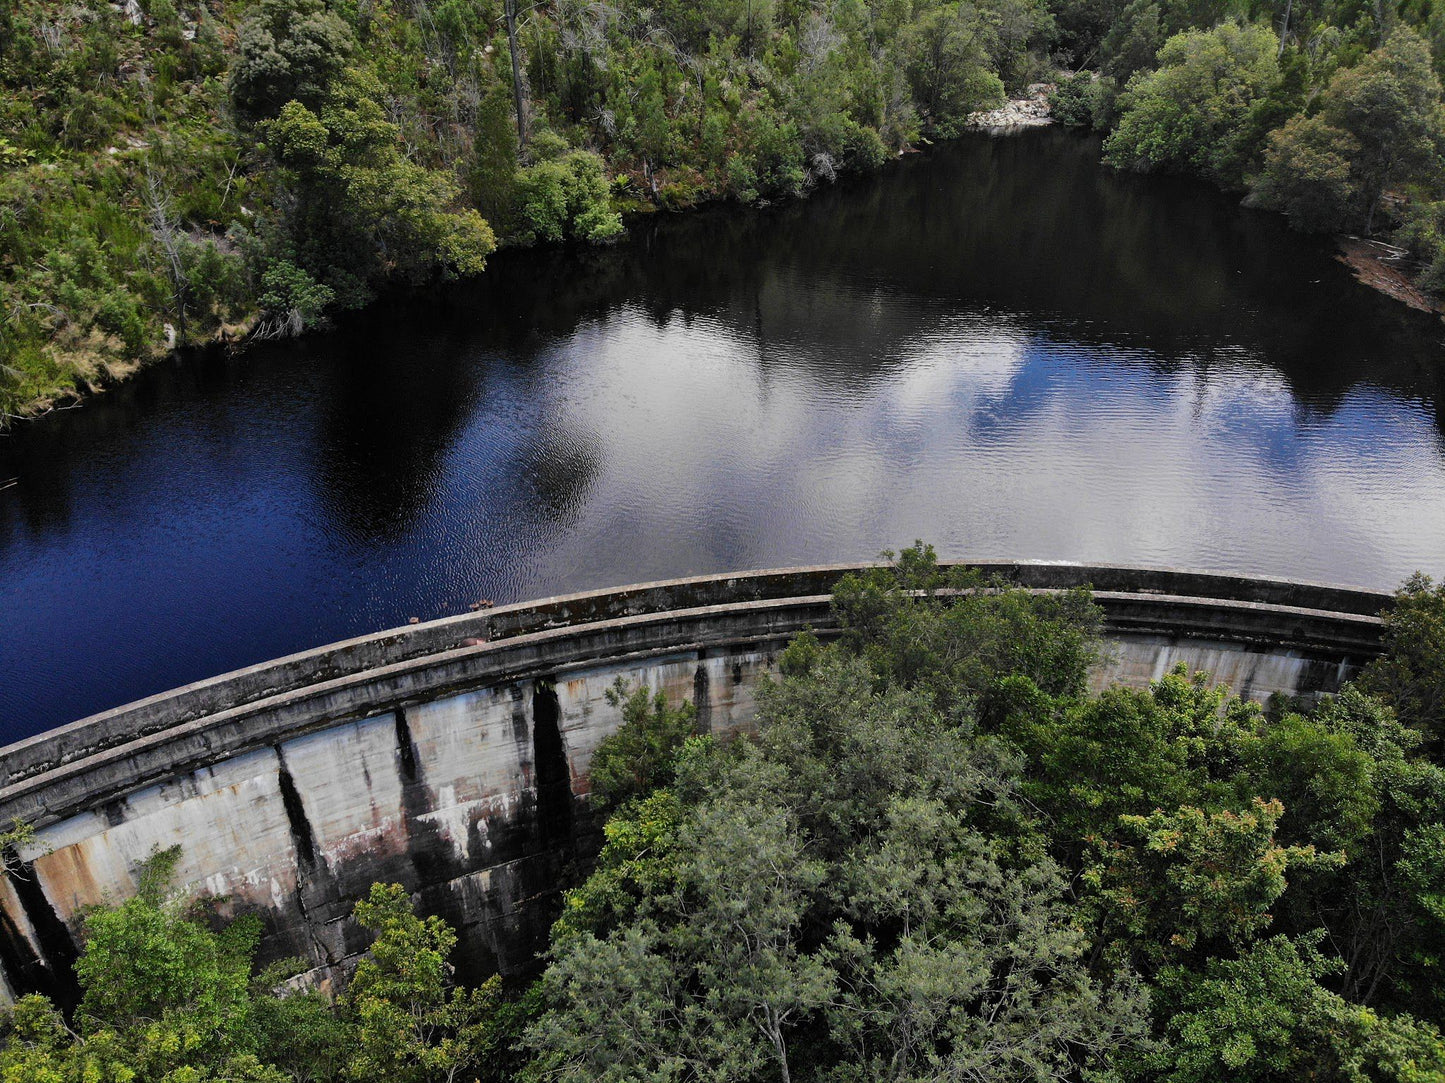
1027	112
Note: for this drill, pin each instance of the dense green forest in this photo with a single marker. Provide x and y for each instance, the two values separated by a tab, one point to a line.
938	857
177	171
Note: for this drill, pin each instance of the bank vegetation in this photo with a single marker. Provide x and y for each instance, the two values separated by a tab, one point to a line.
177	172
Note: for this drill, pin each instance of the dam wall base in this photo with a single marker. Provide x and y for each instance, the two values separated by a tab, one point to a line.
453	757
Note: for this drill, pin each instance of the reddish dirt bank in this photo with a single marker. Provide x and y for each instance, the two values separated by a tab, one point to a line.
1388	269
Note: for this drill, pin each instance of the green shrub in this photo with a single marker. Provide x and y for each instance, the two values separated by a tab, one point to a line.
547	146
1423	233
290	293
638	758
567	198
852	147
288	50
1307	175
773	165
1072	102
677	195
13	157
1190	115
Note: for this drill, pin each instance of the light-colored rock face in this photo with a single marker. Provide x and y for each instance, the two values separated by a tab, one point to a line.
1015	114
477	800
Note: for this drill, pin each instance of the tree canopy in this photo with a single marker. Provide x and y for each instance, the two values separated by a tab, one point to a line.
164	181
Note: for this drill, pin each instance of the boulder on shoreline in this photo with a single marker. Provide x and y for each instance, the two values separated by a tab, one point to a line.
1029	112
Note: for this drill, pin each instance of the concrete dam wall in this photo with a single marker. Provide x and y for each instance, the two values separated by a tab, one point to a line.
452	756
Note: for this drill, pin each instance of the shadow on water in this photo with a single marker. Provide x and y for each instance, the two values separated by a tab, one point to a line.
995	345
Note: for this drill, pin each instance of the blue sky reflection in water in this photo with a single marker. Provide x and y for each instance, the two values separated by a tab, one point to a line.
1005	350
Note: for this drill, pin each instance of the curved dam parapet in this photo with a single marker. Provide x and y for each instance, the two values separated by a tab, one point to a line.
453	756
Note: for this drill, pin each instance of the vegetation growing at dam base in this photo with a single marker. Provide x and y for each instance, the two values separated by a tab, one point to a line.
938	857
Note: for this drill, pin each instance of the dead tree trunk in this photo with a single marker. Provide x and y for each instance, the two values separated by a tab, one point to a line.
518	99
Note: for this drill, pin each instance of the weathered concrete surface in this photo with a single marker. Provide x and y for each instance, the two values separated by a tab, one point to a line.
1257	674
453	756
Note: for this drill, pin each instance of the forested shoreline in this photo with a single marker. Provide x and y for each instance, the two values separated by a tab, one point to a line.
177	172
938	857
1311	122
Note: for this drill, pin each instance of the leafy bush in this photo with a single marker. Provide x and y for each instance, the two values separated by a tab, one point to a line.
1072	102
637	759
773	165
1410	675
287	50
1307	175
1190	115
851	146
1423	233
290	294
567	198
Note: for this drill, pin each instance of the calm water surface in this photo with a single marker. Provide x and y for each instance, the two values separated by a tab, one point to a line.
1001	348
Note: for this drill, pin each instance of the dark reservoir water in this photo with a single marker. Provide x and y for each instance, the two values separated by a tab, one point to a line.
1002	348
